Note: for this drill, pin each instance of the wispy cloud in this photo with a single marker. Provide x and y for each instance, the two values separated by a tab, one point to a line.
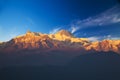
99	38
94	38
73	28
110	16
55	30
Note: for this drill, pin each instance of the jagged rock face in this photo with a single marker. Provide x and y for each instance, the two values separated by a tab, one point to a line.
32	40
61	40
64	33
105	45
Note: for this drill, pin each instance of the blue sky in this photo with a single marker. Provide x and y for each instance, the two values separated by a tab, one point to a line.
93	19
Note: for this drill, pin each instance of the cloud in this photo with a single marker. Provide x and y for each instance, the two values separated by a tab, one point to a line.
111	37
110	16
115	38
99	38
94	38
55	30
73	29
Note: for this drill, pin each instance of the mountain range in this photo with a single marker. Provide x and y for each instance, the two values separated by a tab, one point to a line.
62	40
59	56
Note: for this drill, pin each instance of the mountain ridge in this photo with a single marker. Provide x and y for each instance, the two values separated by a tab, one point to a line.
61	40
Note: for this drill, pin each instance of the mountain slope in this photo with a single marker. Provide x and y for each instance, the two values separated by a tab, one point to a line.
62	40
105	45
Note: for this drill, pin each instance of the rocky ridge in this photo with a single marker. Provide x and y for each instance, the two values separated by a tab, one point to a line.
60	40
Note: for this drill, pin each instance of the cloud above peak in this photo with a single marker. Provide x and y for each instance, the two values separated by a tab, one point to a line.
73	29
55	30
108	17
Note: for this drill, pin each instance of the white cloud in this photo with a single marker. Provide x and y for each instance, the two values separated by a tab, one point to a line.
111	37
99	38
55	30
94	38
115	38
110	16
74	29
